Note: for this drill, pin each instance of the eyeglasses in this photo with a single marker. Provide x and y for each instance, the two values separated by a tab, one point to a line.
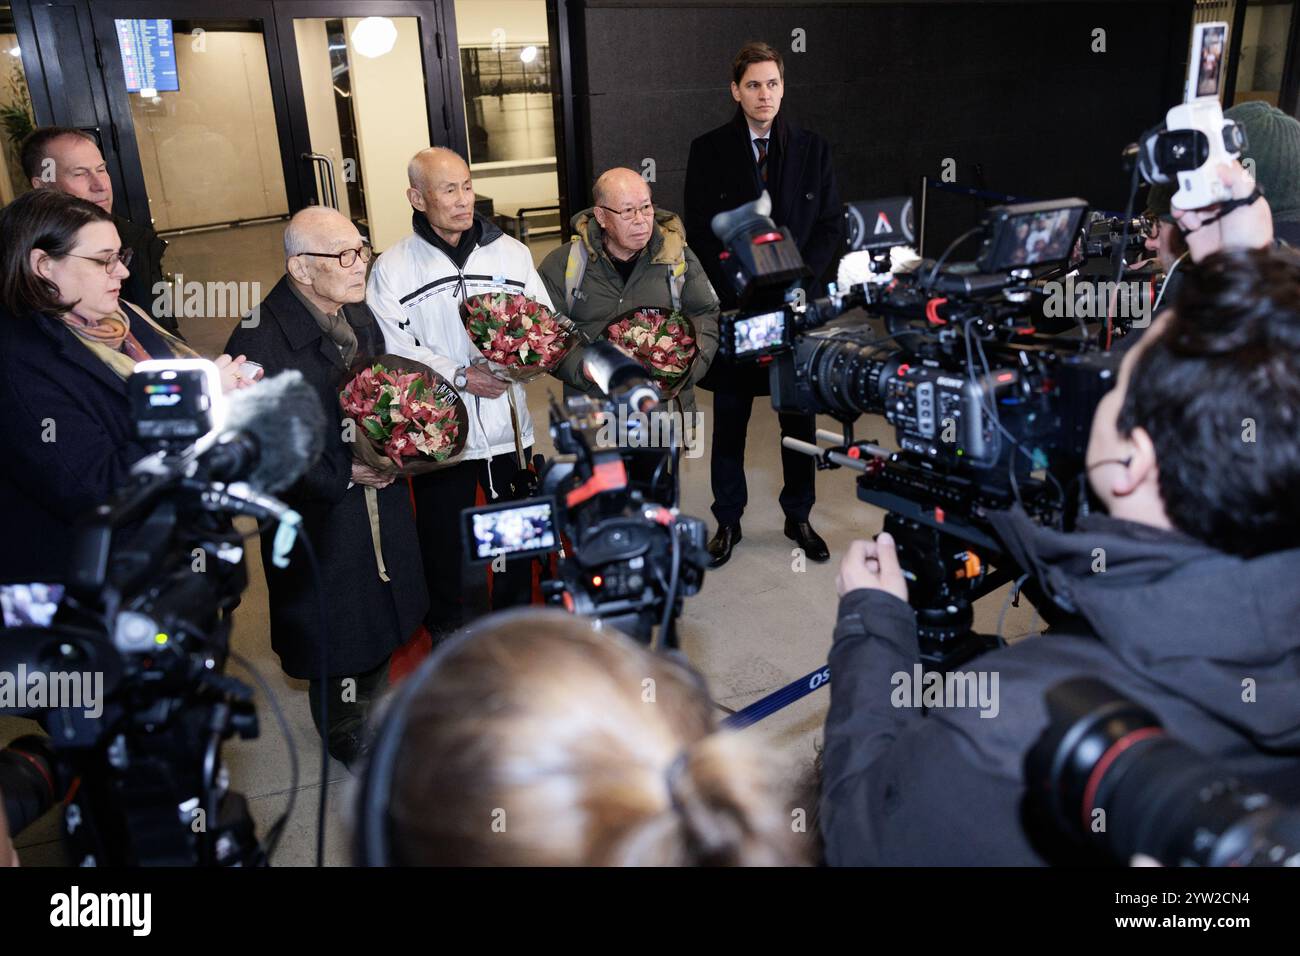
1152	223
123	257
347	258
629	215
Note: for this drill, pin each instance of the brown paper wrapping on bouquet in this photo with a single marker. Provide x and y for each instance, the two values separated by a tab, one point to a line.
521	374
365	451
666	395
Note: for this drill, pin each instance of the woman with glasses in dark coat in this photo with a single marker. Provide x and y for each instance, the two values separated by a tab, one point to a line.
68	343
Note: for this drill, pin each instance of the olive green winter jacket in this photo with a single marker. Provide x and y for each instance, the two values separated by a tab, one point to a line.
603	295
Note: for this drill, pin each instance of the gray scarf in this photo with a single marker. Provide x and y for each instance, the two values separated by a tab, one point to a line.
335	326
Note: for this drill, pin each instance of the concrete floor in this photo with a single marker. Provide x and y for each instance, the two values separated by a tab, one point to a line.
758	623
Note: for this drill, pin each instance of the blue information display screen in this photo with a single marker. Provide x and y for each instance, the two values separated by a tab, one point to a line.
148	55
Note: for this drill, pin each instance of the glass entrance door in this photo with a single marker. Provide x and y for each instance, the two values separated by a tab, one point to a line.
200	119
227	125
364	107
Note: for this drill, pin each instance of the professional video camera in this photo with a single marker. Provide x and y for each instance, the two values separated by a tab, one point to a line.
631	558
1106	776
153	578
988	409
1106	235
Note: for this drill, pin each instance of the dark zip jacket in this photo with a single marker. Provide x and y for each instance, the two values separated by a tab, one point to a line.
1208	641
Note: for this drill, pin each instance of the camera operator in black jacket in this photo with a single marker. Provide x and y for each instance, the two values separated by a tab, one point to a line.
1183	597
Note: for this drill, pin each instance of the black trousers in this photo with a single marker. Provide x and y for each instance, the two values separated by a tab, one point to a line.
731	413
456	597
349	709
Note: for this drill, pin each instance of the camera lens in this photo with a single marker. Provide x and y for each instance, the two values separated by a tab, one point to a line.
845	375
28	780
1182	150
1105	773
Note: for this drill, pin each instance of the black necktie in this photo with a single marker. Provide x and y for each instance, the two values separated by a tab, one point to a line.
762	157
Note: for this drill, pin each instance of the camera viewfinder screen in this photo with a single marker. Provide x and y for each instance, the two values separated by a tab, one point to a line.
1210	62
1030	239
528	527
757	332
29	605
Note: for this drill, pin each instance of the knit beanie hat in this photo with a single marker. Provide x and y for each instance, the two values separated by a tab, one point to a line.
1273	142
1158	197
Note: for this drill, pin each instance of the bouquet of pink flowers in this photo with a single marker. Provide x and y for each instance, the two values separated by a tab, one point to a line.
520	337
663	342
408	419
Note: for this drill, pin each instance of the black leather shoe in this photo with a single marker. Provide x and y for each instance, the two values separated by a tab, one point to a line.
802	533
727	537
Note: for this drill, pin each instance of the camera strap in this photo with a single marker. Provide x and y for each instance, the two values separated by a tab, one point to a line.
372	514
676	282
574	272
1227	207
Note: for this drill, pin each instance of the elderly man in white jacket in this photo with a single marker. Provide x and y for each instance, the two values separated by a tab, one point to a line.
415	290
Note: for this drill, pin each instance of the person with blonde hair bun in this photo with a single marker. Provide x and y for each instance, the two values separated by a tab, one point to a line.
538	739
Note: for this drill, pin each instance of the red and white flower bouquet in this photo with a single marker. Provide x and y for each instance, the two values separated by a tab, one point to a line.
520	337
662	341
408	419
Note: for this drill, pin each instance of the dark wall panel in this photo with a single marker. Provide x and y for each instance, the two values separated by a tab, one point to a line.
1012	92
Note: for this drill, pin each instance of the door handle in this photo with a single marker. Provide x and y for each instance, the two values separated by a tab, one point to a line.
323	172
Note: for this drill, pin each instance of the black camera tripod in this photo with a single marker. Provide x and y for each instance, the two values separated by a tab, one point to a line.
950	563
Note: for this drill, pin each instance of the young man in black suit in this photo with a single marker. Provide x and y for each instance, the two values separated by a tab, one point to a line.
759	150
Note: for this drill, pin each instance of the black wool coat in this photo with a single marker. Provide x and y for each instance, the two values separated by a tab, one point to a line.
67	438
146	271
367	617
721	174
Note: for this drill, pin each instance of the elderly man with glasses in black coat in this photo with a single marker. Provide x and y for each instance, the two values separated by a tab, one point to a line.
316	320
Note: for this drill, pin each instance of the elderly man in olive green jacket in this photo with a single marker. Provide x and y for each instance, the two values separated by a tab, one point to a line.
627	255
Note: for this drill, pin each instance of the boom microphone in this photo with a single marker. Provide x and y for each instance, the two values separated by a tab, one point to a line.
273	433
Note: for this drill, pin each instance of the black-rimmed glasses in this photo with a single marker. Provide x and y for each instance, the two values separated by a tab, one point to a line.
347	258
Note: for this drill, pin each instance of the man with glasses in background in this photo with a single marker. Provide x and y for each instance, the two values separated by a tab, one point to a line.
360	522
625	254
68	160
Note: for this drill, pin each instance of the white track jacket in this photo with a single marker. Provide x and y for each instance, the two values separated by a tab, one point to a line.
415	291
